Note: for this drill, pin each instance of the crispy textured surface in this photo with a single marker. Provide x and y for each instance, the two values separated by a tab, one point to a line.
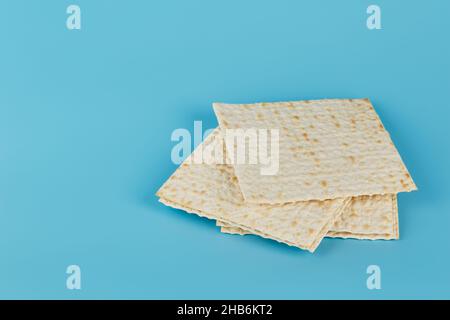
367	217
212	191
328	149
376	214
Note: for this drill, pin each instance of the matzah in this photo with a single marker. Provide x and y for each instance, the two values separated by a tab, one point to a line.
327	149
367	217
212	191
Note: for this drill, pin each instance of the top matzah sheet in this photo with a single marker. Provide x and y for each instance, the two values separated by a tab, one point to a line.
327	149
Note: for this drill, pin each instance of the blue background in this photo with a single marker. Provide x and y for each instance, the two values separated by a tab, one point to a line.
85	124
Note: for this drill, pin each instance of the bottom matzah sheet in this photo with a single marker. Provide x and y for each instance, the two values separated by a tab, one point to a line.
212	191
367	217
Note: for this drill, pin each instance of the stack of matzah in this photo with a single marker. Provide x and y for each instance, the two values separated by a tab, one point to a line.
338	174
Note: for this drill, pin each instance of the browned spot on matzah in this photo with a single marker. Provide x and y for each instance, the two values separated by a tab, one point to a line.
404	185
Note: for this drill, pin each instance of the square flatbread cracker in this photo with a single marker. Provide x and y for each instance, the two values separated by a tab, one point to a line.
212	191
327	149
